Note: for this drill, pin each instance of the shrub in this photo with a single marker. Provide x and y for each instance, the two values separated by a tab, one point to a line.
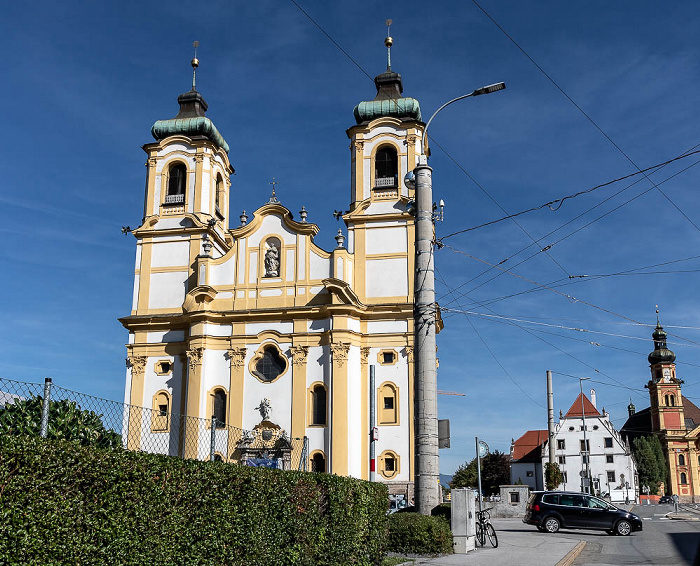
443	510
411	533
61	503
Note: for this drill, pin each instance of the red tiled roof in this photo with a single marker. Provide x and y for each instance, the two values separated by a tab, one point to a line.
691	411
531	440
575	409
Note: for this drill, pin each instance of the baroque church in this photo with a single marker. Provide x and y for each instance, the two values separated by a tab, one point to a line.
674	419
247	319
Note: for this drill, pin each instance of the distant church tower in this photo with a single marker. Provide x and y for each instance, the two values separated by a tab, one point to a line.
258	326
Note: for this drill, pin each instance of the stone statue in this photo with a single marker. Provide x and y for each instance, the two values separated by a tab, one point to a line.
272	262
264	407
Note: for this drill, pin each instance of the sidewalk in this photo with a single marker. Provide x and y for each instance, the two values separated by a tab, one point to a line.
519	544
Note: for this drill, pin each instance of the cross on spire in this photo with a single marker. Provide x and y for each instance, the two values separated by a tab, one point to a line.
274	198
195	64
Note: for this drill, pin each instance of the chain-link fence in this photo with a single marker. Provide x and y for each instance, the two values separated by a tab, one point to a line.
51	411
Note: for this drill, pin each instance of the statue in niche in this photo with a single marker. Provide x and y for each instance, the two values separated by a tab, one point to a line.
272	261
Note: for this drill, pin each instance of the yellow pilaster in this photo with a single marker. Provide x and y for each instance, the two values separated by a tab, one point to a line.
339	409
138	371
194	367
299	408
364	376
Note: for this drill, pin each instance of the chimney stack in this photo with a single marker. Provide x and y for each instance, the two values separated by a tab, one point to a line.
593	398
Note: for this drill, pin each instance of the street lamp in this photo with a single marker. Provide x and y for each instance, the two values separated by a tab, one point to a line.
424	313
585	453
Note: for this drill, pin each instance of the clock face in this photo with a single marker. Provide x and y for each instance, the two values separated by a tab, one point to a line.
667	375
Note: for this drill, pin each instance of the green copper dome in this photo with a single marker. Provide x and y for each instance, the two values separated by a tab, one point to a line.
661	352
190	121
388	102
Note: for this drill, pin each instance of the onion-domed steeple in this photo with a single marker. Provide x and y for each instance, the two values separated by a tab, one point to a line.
191	121
661	353
388	102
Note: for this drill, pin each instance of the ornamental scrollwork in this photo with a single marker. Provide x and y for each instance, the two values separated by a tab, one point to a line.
137	364
408	350
236	356
194	357
340	352
364	354
299	354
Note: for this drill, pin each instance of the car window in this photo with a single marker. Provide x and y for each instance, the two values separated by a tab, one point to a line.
551	498
571	500
594	503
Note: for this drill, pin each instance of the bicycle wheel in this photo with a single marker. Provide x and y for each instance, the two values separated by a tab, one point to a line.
491	532
479	535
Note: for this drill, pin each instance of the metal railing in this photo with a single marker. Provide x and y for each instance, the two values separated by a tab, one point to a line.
51	411
385	182
174	199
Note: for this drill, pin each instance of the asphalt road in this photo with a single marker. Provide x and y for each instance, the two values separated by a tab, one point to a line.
663	541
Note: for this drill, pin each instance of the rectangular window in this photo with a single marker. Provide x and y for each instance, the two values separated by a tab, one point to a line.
530	474
608	442
389	403
562	459
514	497
389	464
561	444
609	459
585	445
611	477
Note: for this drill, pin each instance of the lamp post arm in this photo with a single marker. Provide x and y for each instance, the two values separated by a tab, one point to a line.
479	91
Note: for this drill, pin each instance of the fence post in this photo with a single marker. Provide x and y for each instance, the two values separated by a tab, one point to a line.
212	448
45	408
305	453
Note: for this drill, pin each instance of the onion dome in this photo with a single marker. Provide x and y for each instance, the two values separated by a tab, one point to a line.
661	353
388	102
191	121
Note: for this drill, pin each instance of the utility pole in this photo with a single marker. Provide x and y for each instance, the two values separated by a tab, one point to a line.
585	453
550	416
424	323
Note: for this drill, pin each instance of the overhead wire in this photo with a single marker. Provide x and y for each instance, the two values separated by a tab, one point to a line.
593	122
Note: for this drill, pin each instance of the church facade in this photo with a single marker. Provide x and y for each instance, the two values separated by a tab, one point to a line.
674	419
246	319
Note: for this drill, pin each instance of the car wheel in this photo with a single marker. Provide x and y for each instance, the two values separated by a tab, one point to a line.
623	528
551	524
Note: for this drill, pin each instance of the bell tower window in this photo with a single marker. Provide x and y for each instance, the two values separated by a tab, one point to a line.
177	177
217	195
386	168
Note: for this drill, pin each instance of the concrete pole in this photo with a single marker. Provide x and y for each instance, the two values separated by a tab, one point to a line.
586	454
45	408
427	459
372	424
550	416
478	472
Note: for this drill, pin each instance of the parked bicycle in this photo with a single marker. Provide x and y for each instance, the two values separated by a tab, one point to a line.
485	529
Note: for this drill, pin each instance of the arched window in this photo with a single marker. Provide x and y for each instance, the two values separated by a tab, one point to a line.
386	167
160	413
388	404
318	462
684	478
219	408
681	460
318	405
673	400
666	400
177	177
219	190
268	364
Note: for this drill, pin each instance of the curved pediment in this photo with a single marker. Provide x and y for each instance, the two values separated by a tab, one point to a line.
275	209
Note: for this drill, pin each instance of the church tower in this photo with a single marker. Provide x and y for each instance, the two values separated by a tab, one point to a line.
664	387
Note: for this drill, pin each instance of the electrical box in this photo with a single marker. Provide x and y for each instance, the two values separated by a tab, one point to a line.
463	519
444	433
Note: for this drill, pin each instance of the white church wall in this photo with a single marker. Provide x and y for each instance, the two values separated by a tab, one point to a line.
355	396
218	373
253	273
354	324
386	241
210	329
318	360
387	327
167	290
156	337
319	267
290	265
135	295
272	225
241	260
301	257
170	254
387	277
222	274
255	328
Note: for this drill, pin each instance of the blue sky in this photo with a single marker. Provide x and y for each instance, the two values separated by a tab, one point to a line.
84	82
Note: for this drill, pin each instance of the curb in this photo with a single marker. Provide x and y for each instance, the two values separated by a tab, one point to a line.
573	554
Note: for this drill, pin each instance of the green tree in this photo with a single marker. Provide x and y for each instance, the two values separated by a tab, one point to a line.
651	463
553	476
67	421
495	471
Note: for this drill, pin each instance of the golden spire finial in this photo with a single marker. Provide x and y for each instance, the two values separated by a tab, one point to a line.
388	41
195	64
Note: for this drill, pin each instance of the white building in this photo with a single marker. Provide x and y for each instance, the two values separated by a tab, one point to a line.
611	466
256	324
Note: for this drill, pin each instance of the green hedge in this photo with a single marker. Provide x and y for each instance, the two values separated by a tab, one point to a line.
64	504
411	533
